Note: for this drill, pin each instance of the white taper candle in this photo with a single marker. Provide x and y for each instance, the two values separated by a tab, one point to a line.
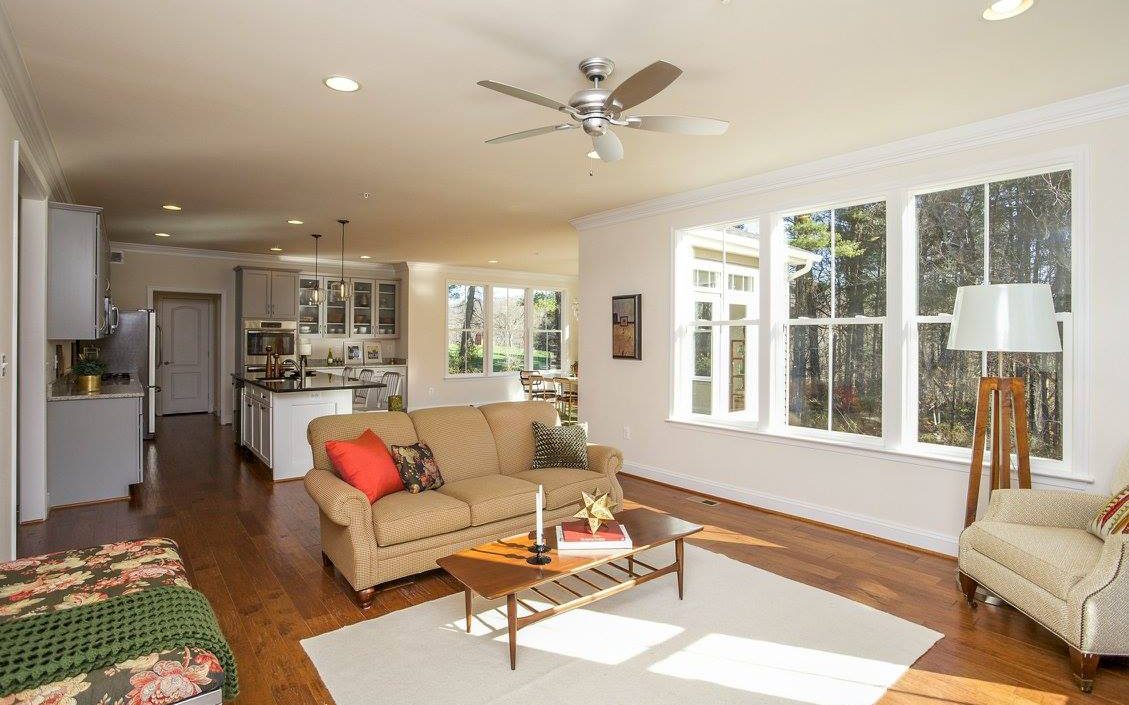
540	525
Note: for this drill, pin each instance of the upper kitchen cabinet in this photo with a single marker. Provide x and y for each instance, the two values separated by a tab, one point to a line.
78	273
268	293
387	310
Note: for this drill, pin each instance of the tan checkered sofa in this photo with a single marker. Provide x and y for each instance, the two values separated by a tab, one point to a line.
485	454
1032	550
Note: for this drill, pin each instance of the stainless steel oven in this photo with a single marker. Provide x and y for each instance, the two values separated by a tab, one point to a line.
278	336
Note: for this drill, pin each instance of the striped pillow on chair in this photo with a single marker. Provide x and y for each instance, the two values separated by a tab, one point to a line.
1114	518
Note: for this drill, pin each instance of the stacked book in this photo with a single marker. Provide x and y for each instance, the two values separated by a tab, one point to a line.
575	536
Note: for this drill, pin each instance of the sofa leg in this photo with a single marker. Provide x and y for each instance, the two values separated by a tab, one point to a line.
325	560
968	588
1084	666
364	597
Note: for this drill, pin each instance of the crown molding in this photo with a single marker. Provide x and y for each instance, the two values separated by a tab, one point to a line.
246	257
35	138
1072	112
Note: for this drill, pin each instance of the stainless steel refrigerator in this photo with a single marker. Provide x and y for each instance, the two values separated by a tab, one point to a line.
132	350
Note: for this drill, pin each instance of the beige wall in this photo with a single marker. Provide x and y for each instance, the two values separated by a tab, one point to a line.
9	133
428	384
908	499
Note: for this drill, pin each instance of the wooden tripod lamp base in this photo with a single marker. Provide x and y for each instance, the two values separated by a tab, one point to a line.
1000	399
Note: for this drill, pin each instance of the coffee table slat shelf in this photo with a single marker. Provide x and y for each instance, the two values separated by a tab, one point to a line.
499	569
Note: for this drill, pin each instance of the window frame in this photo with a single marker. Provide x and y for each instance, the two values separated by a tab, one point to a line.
900	343
488	329
533	330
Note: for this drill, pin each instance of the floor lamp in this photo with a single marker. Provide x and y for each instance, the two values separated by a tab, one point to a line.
1002	318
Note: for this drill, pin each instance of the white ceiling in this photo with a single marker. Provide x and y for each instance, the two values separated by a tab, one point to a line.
219	106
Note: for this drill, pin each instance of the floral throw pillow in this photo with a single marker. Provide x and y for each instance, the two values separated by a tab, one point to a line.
417	467
1114	518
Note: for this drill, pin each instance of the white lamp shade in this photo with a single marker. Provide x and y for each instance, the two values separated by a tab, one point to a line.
1005	318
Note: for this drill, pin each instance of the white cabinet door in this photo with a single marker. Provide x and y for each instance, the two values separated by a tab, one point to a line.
387	309
256	293
284	295
265	446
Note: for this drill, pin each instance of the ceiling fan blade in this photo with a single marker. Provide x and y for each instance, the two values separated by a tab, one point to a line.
523	94
608	147
678	124
530	133
641	85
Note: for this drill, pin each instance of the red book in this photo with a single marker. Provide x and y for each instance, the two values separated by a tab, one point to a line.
574	535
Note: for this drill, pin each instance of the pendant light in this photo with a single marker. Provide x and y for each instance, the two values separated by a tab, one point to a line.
317	295
341	288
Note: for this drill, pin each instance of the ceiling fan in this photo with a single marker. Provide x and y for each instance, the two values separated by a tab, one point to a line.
597	109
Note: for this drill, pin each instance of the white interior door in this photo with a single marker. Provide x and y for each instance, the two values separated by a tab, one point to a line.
186	346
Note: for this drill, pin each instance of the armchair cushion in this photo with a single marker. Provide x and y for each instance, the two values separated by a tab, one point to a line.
1073	510
1113	518
1053	557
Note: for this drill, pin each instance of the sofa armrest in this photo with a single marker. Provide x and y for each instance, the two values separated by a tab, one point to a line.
604	459
1096	603
342	503
1073	510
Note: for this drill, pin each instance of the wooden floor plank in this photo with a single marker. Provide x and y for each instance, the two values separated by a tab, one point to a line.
252	547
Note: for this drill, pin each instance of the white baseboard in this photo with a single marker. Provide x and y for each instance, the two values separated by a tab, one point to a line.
891	531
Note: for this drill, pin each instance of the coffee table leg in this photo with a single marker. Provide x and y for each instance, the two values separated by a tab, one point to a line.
468	612
631	566
678	557
511	613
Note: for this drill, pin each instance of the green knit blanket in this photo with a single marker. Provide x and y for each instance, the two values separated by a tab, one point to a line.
50	647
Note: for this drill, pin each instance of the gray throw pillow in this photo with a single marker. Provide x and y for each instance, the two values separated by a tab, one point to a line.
559	447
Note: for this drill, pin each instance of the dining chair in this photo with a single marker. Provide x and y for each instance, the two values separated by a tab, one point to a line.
392	381
360	397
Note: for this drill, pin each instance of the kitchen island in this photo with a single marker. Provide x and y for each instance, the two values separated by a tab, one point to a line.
94	442
275	413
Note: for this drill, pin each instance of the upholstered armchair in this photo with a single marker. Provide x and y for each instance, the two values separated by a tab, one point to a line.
1032	550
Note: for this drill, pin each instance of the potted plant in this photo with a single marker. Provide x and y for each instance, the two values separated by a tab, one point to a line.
88	375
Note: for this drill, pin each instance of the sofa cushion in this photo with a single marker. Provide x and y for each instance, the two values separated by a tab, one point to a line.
564	485
511	423
417	467
493	497
1052	557
403	516
460	439
366	464
560	446
393	427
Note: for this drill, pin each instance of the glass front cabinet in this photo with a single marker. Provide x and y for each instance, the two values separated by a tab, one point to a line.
371	312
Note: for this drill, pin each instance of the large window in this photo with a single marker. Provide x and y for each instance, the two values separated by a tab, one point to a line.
836	313
512	327
850	352
720	343
999	232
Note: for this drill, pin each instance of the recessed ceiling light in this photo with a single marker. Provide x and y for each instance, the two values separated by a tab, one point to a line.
1005	9
366	256
276	249
491	261
162	235
292	221
343	84
171	207
593	155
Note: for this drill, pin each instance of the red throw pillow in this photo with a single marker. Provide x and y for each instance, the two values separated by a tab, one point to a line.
366	464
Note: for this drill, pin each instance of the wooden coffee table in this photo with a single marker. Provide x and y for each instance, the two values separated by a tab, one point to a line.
499	569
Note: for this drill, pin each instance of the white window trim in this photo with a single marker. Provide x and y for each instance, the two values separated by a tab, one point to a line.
899	396
488	328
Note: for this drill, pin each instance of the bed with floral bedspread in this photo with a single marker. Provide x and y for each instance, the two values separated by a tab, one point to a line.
59	581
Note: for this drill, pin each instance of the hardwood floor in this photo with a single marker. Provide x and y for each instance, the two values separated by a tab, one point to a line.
252	548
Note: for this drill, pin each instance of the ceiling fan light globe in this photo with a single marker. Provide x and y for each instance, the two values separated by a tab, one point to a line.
595	126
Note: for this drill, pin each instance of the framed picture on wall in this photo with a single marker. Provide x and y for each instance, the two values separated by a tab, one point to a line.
627	314
354	352
373	353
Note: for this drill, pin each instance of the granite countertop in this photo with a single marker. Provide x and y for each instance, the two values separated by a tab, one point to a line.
64	390
316	382
390	362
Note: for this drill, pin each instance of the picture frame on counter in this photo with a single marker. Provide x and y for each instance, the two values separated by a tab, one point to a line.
373	353
354	352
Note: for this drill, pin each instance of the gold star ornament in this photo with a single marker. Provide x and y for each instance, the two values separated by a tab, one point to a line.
596	510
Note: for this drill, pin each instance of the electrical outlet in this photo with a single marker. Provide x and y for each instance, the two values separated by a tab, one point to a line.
431	391
627	433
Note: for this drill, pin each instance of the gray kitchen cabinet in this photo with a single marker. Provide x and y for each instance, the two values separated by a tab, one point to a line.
94	451
267	294
78	273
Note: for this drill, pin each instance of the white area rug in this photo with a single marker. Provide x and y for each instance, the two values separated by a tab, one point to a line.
742	635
